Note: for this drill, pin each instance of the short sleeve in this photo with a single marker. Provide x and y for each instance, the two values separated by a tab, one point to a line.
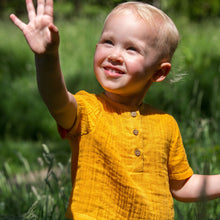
178	165
88	109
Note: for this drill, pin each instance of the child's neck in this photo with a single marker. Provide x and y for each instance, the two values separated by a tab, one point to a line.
129	100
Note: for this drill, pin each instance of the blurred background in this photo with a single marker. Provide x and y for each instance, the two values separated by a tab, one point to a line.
34	162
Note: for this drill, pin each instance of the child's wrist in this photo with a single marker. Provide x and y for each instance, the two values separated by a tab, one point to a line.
48	55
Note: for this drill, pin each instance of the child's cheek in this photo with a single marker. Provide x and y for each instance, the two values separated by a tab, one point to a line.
135	67
100	54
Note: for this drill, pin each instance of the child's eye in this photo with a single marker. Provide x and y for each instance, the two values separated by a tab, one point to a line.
133	49
108	42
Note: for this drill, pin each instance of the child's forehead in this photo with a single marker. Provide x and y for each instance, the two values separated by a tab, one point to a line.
130	27
151	19
123	17
128	17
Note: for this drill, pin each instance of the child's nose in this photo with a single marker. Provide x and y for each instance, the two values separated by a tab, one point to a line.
115	56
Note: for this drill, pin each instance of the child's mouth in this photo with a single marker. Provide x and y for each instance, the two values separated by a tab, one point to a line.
113	72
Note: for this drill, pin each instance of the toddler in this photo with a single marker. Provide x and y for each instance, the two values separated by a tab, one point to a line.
128	159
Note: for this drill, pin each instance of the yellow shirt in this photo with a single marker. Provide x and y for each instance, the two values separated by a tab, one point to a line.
122	160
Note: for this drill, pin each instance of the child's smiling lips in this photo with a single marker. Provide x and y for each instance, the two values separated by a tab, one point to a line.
113	72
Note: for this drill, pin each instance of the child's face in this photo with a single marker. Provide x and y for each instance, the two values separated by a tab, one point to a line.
125	58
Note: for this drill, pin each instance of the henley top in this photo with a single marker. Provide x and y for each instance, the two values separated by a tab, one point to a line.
122	160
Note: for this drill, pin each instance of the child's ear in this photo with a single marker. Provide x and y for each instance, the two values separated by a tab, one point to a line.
162	73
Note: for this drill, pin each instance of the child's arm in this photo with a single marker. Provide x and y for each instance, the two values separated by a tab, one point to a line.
43	38
196	188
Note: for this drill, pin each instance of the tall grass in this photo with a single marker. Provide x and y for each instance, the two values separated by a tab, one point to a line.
35	195
25	123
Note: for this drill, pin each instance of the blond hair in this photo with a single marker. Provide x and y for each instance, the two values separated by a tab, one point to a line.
167	37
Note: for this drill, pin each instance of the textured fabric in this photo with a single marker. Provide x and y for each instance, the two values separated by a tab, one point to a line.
122	159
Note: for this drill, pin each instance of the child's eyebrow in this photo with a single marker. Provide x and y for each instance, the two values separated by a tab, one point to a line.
107	34
129	41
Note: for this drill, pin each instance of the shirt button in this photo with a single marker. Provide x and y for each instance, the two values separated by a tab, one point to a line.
133	114
135	132
137	153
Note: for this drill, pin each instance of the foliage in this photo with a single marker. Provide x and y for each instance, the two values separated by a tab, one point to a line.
194	9
191	94
17	6
18	89
195	74
39	197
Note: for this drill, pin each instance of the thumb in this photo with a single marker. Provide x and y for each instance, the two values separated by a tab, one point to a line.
53	28
54	33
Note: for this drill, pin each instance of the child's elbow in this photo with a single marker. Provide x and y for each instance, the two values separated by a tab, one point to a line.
179	191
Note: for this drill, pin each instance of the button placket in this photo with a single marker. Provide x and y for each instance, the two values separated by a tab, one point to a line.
137	145
137	152
135	132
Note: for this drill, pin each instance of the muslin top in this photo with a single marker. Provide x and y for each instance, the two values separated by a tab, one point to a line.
122	160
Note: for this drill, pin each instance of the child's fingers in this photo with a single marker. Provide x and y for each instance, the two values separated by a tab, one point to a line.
53	28
17	22
49	8
54	32
30	9
40	7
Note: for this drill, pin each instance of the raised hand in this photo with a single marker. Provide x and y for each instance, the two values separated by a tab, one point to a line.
40	33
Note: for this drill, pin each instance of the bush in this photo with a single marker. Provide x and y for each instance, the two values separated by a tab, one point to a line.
194	100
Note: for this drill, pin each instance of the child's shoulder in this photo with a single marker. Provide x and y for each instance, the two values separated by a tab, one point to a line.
151	111
86	97
84	94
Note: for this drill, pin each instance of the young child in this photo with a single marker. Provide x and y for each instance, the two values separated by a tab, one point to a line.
128	159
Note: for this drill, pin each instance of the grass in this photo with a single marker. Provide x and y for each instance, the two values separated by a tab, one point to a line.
42	197
25	123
